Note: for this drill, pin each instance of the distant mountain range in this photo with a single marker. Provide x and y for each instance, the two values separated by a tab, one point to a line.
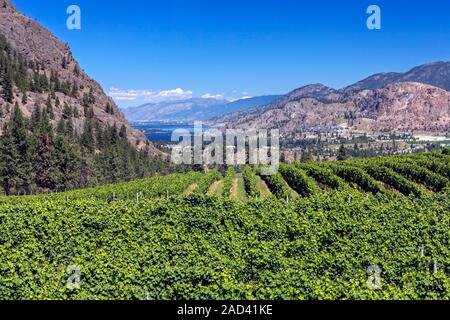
194	109
417	100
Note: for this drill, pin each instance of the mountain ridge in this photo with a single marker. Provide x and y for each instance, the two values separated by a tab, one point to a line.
368	106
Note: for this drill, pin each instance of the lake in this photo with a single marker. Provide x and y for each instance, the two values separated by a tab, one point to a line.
163	131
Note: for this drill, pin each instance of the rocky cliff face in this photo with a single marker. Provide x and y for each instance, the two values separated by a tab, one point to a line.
36	44
404	107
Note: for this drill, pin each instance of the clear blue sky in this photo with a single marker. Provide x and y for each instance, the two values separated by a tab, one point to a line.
244	47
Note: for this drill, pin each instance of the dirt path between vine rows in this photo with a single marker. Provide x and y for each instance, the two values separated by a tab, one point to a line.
190	189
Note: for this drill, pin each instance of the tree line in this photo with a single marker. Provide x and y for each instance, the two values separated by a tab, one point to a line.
35	157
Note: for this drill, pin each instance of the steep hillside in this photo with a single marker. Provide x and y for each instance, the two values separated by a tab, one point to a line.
49	61
58	129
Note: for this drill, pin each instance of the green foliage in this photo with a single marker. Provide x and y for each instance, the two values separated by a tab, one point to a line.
278	186
419	174
395	180
358	177
35	158
206	181
228	182
250	183
299	180
206	248
324	176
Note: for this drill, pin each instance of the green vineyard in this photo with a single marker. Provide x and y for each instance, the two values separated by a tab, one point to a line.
312	231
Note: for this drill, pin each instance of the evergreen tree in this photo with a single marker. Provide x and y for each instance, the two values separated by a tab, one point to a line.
44	167
35	118
8	161
123	132
342	153
64	63
74	92
61	127
87	137
8	93
67	111
49	107
21	144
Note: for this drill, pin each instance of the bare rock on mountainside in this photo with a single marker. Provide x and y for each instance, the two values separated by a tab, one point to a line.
417	100
405	106
400	107
36	44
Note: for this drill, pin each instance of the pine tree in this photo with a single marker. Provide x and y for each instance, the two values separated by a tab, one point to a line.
8	93
75	112
343	153
74	92
8	161
35	119
76	70
49	107
64	63
44	156
61	127
123	132
87	137
67	111
22	145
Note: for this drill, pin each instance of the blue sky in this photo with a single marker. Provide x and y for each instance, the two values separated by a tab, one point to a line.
141	50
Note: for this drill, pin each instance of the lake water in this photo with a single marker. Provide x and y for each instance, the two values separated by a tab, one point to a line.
161	131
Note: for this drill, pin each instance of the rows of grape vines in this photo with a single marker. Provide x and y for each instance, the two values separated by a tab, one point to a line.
315	235
415	175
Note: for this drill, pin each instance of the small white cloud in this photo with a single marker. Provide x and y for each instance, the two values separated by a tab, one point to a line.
213	96
148	95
